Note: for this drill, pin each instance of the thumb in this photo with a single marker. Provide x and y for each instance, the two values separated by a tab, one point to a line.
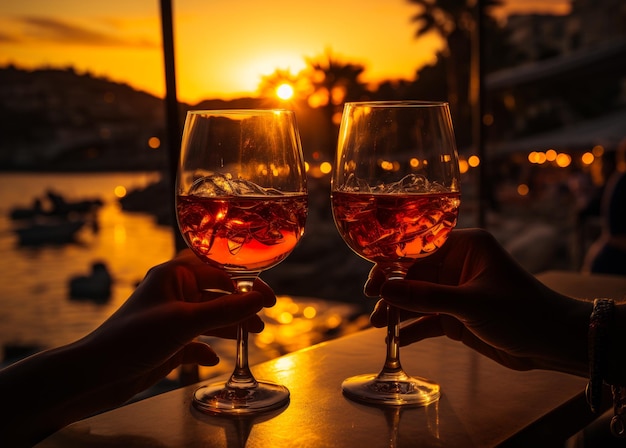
196	352
426	297
225	310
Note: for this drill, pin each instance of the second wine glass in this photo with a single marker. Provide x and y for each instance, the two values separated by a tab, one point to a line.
241	206
395	198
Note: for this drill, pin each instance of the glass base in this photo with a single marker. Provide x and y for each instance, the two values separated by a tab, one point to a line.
407	391
218	399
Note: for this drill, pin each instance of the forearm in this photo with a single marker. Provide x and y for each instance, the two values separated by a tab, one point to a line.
571	352
40	395
567	326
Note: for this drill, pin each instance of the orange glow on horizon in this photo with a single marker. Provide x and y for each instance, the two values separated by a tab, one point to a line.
122	41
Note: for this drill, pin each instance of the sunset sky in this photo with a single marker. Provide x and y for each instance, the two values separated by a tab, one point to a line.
222	47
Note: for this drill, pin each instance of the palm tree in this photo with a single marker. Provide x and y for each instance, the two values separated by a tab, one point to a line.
335	82
456	22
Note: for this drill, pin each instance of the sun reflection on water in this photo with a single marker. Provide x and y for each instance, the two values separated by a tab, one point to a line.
36	308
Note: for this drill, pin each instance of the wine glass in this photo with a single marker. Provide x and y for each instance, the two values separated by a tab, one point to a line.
241	204
395	198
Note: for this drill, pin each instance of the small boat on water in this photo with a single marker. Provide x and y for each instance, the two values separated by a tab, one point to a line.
49	232
52	219
149	200
53	204
95	286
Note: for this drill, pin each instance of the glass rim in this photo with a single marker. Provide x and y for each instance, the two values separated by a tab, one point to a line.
238	111
398	103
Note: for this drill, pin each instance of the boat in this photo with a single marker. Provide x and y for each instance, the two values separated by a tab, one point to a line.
53	204
49	232
149	199
96	286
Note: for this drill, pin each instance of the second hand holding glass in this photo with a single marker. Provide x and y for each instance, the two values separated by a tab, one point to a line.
395	198
241	206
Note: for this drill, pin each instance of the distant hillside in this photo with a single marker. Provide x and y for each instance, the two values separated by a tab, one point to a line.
59	119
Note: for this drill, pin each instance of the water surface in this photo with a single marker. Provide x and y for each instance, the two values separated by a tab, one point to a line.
35	308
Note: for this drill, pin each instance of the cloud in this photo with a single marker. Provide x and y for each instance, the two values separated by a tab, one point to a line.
8	38
51	30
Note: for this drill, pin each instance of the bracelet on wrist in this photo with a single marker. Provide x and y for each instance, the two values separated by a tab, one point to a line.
601	324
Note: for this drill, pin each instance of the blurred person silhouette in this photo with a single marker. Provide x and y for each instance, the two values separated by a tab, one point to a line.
151	334
607	254
472	290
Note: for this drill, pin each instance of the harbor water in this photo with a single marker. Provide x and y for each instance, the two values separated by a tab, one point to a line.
38	312
35	306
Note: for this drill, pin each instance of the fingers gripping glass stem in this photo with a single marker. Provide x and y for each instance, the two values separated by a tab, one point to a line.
392	362
242	377
241	204
395	198
392	385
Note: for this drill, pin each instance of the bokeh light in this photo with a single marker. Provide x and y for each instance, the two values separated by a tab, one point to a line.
473	161
386	165
522	189
119	191
154	142
326	167
563	160
587	158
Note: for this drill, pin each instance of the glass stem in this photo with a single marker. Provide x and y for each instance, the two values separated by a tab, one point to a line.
242	377
392	369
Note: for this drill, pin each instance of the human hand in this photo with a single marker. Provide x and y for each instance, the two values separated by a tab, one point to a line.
147	337
472	290
155	330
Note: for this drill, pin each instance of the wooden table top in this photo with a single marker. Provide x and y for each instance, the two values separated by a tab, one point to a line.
482	405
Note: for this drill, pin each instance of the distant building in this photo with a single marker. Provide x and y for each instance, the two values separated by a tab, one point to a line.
538	36
595	21
574	79
591	22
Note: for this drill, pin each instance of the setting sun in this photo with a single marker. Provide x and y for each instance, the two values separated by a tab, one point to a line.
222	50
284	91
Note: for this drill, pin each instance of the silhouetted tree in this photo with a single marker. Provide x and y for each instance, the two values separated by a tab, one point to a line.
429	84
334	82
455	21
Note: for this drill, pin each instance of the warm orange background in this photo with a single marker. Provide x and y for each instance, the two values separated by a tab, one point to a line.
223	48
